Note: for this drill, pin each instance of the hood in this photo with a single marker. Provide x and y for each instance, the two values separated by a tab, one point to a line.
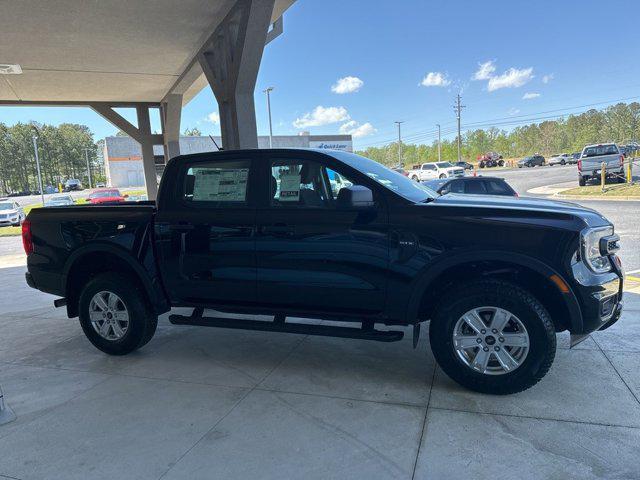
590	217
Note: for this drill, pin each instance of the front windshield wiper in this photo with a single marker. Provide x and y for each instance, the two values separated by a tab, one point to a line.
428	200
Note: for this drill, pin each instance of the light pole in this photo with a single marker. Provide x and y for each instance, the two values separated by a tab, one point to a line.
439	144
35	149
268	91
86	155
399	143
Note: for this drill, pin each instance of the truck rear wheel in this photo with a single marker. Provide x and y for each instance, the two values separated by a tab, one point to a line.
115	315
581	181
496	339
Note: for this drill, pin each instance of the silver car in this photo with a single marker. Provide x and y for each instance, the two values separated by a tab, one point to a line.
559	159
11	213
59	201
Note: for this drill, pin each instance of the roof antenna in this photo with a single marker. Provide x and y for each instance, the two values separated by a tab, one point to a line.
214	142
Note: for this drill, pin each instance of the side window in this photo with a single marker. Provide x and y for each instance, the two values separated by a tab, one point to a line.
214	184
299	183
457	186
337	182
475	187
495	187
428	166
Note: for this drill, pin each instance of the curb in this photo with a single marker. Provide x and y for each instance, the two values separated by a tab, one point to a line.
595	198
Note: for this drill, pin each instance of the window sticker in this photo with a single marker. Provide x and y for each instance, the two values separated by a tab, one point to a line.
214	185
289	188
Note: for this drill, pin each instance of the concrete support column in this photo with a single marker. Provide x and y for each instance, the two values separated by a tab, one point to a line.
146	144
170	114
230	60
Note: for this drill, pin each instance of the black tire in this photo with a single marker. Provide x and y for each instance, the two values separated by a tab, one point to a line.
502	294
581	181
562	162
142	320
501	163
442	175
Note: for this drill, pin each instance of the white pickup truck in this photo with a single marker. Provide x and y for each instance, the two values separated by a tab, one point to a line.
429	171
592	158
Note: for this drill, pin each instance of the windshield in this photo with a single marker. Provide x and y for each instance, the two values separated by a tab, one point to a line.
610	149
105	193
62	199
444	164
386	177
6	206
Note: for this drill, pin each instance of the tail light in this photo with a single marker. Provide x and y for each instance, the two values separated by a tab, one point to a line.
27	239
621	160
580	165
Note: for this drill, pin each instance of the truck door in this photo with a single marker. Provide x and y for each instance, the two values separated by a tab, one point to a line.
312	253
205	232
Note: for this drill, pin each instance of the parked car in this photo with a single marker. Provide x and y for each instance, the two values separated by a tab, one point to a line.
464	165
11	213
381	250
592	158
100	185
59	201
559	159
106	195
72	185
473	186
490	159
531	161
431	170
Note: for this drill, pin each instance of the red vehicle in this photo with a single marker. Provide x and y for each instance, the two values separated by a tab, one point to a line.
106	195
490	159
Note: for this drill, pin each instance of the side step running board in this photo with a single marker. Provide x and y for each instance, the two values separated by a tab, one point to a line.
280	325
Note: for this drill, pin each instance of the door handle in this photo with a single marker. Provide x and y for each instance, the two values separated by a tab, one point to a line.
181	227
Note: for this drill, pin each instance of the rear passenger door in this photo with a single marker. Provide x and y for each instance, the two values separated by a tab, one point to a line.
206	232
312	253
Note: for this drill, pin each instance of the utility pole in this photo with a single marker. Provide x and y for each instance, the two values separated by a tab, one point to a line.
268	91
439	143
458	109
399	143
86	154
35	149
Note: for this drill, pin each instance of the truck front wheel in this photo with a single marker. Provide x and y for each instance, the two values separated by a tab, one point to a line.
115	315
497	338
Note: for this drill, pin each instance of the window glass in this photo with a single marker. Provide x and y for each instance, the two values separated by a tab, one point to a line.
214	183
300	183
475	187
600	150
337	182
428	166
457	186
496	187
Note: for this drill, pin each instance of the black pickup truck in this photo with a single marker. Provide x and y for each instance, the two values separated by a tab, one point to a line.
333	235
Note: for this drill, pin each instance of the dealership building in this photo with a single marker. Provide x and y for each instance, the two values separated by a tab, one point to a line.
123	156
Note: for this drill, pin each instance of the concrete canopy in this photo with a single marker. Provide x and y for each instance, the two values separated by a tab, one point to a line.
110	51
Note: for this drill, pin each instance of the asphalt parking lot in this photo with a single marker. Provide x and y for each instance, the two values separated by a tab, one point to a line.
213	403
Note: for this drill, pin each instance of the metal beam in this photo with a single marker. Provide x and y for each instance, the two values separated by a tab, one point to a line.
118	120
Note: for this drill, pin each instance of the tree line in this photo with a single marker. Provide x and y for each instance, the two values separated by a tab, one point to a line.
618	123
61	150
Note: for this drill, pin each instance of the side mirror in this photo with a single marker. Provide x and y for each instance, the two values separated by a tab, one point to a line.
355	196
125	195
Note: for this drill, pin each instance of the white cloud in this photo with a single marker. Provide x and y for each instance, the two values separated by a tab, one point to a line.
347	85
512	78
530	95
214	118
355	130
485	70
435	79
547	78
514	111
322	116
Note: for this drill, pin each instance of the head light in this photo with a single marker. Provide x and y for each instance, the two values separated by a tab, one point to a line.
592	253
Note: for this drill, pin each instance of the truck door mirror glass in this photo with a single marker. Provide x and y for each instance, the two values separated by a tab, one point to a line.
355	196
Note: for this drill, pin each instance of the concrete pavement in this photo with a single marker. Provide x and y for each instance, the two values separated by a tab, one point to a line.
212	403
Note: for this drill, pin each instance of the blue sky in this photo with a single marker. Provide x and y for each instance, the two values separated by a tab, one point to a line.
409	59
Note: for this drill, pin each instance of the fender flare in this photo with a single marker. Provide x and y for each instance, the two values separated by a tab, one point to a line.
154	291
432	272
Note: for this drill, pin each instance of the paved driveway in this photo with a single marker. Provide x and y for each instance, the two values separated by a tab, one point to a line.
212	403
